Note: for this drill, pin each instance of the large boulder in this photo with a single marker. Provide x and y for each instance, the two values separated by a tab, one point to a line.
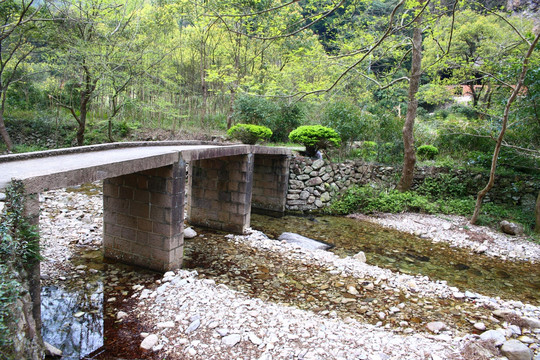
305	242
511	228
516	350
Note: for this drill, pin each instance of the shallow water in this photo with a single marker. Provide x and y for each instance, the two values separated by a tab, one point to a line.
79	313
271	277
410	254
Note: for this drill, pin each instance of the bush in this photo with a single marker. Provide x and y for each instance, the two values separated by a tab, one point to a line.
427	152
248	133
287	118
367	151
347	120
254	110
390	152
280	117
369	200
315	137
445	186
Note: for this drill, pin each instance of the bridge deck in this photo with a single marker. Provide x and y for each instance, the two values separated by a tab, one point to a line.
67	167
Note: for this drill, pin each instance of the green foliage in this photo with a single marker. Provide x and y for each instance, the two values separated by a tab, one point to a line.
443	186
467	111
367	151
18	239
315	137
390	152
254	110
31	130
427	152
433	94
348	120
281	117
369	200
443	195
249	133
19	247
287	117
9	291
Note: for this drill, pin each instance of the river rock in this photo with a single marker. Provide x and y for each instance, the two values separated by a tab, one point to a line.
189	233
480	326
2	196
436	326
231	340
51	350
193	326
532	323
165	325
121	315
254	339
511	228
493	335
516	350
303	241
361	256
317	164
149	342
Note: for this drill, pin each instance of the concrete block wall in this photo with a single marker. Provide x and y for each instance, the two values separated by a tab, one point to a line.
270	184
220	192
144	217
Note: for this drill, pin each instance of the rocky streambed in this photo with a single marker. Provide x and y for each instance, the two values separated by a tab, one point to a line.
251	297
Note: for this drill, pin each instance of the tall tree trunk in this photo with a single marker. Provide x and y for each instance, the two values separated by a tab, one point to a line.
231	108
3	130
4	133
409	156
82	122
537	211
482	193
204	89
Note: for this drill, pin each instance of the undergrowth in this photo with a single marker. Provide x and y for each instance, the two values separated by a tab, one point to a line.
19	247
427	199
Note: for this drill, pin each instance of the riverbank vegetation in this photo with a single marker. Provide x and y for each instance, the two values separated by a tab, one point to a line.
390	77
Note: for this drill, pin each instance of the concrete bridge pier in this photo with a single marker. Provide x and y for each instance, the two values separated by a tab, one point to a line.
143	216
220	192
270	184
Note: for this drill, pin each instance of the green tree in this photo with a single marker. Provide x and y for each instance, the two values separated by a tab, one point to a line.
515	91
92	37
16	28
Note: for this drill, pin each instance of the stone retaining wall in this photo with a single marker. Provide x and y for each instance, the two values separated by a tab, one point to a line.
314	183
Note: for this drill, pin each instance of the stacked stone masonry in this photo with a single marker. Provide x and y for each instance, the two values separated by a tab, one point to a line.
313	183
143	217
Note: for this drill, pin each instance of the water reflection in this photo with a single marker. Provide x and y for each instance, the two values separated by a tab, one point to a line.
73	319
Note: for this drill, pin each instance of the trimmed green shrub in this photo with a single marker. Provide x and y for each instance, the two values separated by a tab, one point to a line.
315	137
248	133
427	152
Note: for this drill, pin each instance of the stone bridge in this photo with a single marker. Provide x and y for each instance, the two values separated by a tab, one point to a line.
144	190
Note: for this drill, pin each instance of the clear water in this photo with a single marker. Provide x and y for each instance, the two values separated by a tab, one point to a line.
73	319
410	254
